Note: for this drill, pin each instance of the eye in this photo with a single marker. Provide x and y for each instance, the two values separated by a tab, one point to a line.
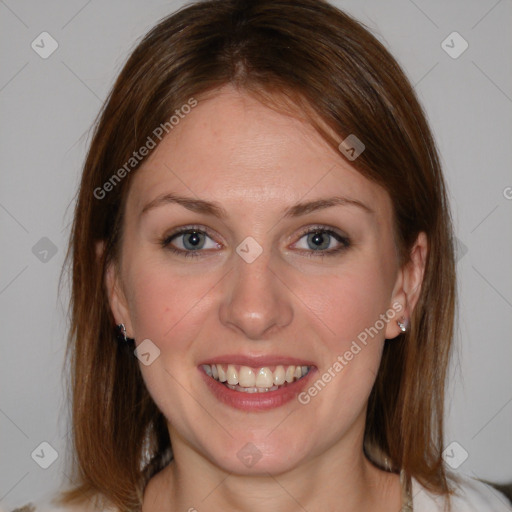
323	241
189	241
320	241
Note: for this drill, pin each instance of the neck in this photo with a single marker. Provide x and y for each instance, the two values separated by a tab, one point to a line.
341	479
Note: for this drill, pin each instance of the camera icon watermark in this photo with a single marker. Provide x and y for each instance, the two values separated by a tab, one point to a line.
249	249
455	455
44	455
351	147
454	45
249	455
460	250
44	45
147	352
44	250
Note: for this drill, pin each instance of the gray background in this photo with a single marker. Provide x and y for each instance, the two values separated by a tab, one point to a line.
48	106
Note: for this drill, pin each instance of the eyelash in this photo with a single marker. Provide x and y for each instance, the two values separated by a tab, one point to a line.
343	240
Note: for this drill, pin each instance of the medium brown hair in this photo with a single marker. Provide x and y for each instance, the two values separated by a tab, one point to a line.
338	75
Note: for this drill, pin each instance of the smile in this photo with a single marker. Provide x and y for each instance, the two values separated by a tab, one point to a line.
255	380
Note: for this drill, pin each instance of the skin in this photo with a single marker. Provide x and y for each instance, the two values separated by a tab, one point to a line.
255	162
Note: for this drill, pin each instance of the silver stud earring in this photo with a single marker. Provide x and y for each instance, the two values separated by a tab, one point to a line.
402	323
121	334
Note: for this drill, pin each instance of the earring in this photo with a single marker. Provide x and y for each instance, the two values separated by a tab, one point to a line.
121	334
402	323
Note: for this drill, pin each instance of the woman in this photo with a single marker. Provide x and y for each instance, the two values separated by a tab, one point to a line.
263	223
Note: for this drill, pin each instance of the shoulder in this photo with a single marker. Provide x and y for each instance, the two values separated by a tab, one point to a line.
471	495
50	506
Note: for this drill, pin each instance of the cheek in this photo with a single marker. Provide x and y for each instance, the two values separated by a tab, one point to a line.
169	309
348	307
349	300
165	306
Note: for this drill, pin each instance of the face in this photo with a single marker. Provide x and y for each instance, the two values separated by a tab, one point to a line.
256	255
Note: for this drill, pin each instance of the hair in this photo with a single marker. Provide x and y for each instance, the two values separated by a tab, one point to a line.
302	55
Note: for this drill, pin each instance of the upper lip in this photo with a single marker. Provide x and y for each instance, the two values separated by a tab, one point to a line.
257	361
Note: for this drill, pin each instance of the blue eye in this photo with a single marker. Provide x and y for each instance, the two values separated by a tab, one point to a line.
320	242
190	240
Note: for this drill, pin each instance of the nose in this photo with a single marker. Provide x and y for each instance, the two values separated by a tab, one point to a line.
255	300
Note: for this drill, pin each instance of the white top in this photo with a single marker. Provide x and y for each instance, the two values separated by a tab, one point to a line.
471	496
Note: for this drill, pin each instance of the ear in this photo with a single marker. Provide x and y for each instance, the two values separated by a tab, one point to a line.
408	285
116	296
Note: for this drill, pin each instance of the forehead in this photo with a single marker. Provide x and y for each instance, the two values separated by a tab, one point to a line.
233	149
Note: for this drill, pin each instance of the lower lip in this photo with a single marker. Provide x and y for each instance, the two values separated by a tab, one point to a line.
256	401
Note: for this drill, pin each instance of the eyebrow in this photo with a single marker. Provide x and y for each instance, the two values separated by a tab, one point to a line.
214	209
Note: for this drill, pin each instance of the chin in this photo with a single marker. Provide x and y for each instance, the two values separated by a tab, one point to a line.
257	455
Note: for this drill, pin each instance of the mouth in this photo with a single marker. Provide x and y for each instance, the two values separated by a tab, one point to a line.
246	379
256	388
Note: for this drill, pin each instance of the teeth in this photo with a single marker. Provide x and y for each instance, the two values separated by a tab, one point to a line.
232	375
253	390
220	371
255	381
246	377
279	375
265	378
